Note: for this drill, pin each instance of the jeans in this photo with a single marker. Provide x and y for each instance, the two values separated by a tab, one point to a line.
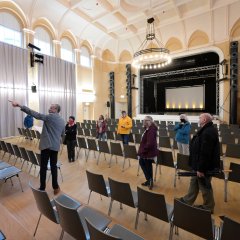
47	154
125	138
204	185
101	136
71	144
146	165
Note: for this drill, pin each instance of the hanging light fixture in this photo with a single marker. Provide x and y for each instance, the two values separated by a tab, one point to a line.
151	53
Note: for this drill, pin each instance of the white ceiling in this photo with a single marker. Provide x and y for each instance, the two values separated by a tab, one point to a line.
121	24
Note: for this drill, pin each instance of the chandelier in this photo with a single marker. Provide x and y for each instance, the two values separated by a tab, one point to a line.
151	53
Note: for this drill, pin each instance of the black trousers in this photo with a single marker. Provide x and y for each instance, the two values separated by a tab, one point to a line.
47	155
71	144
146	165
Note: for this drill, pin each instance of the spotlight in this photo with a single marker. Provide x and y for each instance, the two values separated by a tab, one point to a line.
30	45
34	88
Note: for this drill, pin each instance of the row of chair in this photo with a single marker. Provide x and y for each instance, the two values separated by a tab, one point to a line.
81	222
192	219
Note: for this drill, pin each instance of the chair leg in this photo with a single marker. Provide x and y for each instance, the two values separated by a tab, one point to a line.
110	161
89	196
87	155
145	217
123	164
175	178
138	169
20	182
37	225
100	196
171	231
129	162
61	236
225	190
110	207
98	158
11	181
155	175
61	173
121	207
137	216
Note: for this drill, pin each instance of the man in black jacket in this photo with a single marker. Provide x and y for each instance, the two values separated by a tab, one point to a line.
204	157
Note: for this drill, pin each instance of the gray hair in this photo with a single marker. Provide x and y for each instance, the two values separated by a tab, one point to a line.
58	107
183	116
208	117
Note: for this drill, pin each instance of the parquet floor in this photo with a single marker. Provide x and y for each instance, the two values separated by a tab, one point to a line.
19	214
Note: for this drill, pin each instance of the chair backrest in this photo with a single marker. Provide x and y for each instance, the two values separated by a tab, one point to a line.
194	220
165	158
17	151
92	144
44	204
80	131
33	133
96	234
110	135
233	150
38	134
24	153
163	132
130	151
70	221
103	146
96	183
227	138
10	148
234	175
4	146
20	131
32	157
183	162
164	142
230	229
153	204
138	138
121	192
81	142
116	149
93	132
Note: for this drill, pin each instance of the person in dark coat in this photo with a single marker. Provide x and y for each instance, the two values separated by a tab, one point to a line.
204	157
71	138
148	150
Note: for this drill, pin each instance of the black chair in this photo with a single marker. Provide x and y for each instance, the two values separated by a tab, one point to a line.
17	153
153	204
230	229
96	183
129	152
116	150
117	232
81	145
164	142
4	148
102	148
92	146
33	159
110	135
25	156
73	221
194	220
10	150
122	193
138	138
164	158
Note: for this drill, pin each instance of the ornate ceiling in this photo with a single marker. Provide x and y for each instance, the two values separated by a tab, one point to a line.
120	25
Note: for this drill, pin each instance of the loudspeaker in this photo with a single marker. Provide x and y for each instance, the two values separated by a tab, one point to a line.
108	104
34	88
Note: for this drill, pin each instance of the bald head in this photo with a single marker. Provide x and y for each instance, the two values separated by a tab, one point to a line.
205	118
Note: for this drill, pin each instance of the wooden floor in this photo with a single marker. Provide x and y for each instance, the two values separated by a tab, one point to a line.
19	214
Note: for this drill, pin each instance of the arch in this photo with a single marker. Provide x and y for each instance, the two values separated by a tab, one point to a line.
235	31
70	36
174	44
198	38
14	9
125	56
86	44
107	55
45	23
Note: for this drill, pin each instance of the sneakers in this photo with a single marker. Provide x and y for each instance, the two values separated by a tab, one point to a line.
56	190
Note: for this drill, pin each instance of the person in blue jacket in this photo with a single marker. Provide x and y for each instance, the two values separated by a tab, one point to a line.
28	121
183	134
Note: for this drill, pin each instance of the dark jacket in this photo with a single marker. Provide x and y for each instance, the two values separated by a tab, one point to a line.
148	146
205	149
183	131
71	132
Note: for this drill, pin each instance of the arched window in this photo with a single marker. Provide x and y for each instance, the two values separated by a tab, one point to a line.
67	50
10	29
43	40
85	59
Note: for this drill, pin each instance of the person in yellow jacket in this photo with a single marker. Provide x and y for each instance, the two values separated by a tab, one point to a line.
124	127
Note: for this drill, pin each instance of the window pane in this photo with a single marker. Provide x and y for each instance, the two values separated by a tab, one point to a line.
43	40
85	59
66	50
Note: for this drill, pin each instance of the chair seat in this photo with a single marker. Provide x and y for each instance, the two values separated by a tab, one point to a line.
9	172
135	198
123	233
97	219
68	201
4	165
